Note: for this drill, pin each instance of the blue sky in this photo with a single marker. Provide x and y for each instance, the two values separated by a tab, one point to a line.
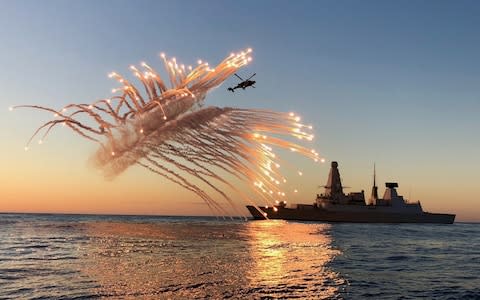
395	82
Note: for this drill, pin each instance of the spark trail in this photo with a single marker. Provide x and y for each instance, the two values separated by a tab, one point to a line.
169	132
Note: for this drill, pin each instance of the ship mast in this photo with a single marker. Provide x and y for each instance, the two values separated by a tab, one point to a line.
334	187
374	196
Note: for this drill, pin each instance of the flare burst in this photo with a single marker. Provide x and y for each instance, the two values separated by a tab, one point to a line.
169	132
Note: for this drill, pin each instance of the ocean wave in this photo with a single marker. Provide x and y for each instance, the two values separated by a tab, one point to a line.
79	257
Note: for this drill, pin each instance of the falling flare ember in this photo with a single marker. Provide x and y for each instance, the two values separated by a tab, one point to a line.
169	132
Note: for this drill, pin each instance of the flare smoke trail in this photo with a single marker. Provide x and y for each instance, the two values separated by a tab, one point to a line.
169	132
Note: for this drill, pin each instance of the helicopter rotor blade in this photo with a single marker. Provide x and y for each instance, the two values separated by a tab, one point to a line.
252	76
238	76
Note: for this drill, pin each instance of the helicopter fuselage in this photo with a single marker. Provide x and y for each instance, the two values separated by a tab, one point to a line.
244	84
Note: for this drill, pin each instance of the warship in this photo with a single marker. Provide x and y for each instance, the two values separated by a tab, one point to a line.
336	206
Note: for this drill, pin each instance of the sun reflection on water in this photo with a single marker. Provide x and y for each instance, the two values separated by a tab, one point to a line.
211	260
292	259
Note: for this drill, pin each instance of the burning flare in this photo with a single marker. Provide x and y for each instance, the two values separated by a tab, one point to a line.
169	132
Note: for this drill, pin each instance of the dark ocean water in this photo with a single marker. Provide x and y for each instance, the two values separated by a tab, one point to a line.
83	257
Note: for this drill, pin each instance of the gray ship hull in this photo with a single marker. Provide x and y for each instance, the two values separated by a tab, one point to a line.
323	215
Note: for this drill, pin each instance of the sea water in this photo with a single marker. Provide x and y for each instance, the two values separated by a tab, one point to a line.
143	257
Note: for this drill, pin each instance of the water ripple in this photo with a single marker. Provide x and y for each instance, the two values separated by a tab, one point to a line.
84	257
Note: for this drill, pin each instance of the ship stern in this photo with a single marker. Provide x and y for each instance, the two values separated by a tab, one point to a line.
256	213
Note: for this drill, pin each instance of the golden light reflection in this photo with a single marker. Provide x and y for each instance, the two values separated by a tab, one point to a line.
293	258
265	251
166	260
214	259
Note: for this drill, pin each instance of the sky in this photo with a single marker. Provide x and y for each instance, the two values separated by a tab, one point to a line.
395	83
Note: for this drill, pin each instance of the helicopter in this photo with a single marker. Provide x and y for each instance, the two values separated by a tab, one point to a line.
244	84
